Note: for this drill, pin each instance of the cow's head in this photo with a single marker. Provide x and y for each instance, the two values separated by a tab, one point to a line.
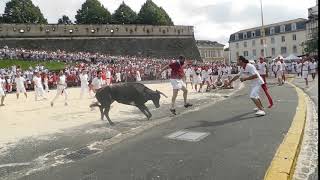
155	97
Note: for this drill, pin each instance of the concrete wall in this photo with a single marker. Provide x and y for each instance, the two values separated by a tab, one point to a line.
153	41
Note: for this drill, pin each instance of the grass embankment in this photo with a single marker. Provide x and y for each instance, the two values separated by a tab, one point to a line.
25	64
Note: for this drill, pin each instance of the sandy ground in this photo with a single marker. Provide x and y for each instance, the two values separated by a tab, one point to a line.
29	118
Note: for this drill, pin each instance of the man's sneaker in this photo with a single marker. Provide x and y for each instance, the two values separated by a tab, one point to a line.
260	113
187	105
256	109
66	104
173	111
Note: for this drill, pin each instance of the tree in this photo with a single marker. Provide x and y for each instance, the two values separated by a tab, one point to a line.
124	15
23	11
93	12
151	14
64	20
1	19
311	45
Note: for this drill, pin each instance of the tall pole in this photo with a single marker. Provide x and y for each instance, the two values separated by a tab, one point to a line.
263	33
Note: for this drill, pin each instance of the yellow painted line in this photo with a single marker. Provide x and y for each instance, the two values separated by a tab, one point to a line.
283	164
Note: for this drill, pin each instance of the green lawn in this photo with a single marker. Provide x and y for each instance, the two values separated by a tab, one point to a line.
52	66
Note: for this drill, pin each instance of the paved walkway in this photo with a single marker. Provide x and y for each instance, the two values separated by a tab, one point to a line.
239	145
307	164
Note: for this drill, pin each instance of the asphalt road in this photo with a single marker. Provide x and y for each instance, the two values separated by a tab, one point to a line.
239	146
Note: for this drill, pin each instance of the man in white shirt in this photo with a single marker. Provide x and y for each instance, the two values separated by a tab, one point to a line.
39	91
299	68
118	77
97	82
2	94
20	85
279	72
138	76
84	83
262	69
313	69
250	72
284	70
305	70
61	89
189	77
197	80
108	76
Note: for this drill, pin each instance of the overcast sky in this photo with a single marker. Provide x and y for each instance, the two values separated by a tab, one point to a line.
213	19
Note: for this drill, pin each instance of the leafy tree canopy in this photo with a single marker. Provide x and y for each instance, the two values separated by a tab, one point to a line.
23	11
124	15
64	20
93	12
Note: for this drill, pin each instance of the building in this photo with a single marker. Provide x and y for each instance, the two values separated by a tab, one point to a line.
283	38
210	51
312	25
226	55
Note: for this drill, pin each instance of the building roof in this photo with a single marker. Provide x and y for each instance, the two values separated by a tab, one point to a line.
209	43
273	24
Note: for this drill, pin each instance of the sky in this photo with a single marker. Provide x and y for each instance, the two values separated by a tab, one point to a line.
213	20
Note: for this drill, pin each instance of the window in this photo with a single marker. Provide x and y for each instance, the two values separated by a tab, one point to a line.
237	37
253	42
262	52
237	45
245	53
272	31
272	40
283	50
245	44
294	37
261	41
294	49
244	35
253	34
283	39
293	26
273	51
282	28
254	52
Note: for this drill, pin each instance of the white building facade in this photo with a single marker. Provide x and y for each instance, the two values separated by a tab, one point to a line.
283	38
312	25
210	51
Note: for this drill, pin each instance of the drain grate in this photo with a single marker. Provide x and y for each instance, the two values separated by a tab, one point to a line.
80	154
191	136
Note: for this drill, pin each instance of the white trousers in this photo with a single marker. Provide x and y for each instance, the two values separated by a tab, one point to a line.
39	92
84	89
61	90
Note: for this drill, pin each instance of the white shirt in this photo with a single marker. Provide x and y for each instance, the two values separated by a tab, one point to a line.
37	81
279	66
84	79
305	66
188	72
228	70
108	75
19	82
204	74
251	70
97	83
299	67
262	68
2	81
62	80
283	66
313	65
118	75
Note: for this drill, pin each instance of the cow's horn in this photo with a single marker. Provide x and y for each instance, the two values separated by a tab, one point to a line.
162	93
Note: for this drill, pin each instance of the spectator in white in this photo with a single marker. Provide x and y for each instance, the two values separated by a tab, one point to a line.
274	68
138	77
228	74
61	89
252	74
263	69
313	68
305	70
108	76
46	83
164	75
97	82
118	77
84	83
205	78
2	94
20	85
284	70
299	68
279	72
197	80
39	92
189	77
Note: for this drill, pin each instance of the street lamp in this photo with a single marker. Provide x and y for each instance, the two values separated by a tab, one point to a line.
263	33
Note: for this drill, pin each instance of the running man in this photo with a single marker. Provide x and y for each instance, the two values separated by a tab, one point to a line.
305	70
39	91
253	75
2	94
177	83
61	89
84	83
279	72
263	69
313	68
20	85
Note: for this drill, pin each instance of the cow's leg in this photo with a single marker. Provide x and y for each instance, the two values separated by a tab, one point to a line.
106	113
145	111
101	111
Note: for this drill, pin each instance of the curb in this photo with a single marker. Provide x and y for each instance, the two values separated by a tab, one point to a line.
283	163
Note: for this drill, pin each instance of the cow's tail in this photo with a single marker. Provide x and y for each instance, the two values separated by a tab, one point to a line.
95	104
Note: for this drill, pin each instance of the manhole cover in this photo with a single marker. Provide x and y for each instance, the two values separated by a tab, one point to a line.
184	135
80	154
